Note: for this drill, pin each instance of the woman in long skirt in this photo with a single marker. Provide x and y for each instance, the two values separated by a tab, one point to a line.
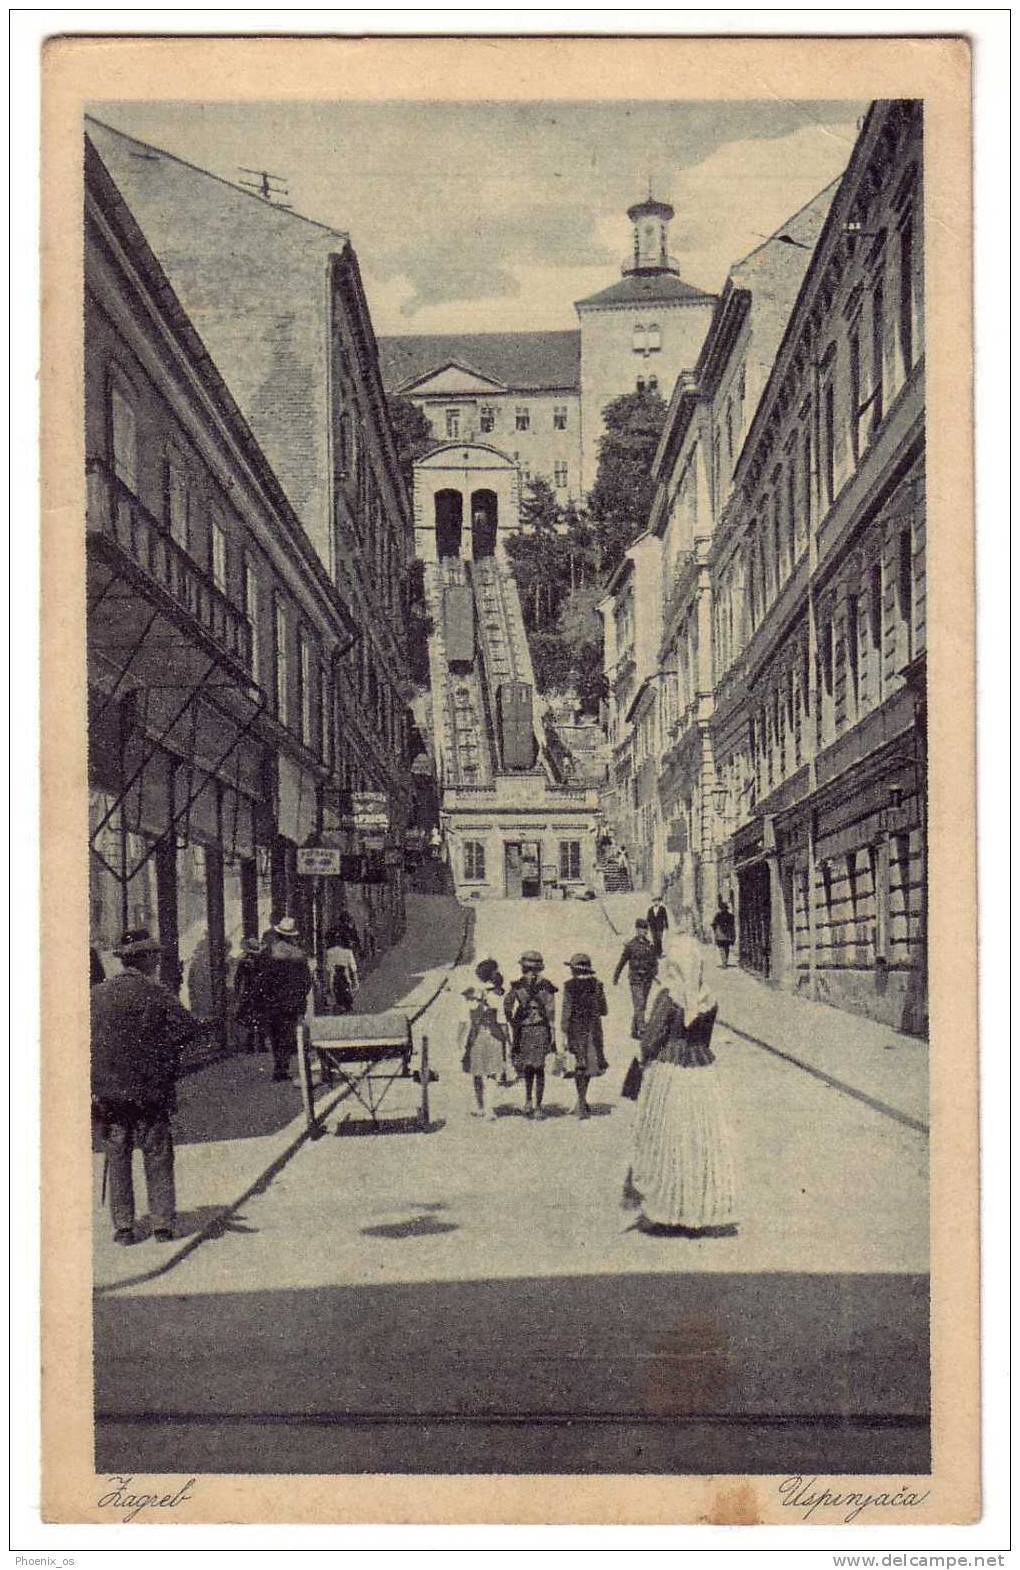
683	1165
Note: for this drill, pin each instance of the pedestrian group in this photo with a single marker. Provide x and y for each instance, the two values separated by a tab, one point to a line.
681	1174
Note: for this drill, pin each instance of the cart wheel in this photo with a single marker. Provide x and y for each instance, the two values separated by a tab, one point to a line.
423	1116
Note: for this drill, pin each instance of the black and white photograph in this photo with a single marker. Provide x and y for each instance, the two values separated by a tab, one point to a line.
506	575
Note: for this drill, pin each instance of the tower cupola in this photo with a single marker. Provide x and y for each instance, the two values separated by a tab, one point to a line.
650	251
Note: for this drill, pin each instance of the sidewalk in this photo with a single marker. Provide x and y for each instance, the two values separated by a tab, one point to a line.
873	1060
234	1126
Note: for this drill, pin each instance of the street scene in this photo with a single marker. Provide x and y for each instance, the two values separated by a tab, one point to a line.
397	1292
507	792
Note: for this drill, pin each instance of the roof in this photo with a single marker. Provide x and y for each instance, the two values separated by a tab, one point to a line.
648	288
252	278
800	230
116	213
518	361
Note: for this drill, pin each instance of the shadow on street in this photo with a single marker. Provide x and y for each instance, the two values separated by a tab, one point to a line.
661	1372
438	923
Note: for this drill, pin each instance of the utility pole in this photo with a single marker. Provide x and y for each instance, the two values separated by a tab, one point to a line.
263	186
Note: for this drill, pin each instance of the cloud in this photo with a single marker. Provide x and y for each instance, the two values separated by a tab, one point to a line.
744	192
498	215
487	255
523	267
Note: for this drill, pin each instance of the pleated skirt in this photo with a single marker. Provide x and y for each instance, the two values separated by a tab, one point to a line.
683	1157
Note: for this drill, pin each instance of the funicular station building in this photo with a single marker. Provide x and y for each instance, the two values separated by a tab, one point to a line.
512	827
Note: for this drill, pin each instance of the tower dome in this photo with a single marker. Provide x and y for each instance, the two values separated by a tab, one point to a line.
650	252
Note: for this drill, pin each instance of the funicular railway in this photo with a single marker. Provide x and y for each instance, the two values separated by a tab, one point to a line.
513	827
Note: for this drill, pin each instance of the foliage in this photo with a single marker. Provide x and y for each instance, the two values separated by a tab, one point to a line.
413	435
551	557
580	632
553	560
621	498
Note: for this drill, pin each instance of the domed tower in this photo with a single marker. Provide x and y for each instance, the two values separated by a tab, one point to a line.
650	254
640	332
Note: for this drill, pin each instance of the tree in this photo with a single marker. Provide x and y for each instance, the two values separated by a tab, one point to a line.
621	498
580	631
537	556
413	434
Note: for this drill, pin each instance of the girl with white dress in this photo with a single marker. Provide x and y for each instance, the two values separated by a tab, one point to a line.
482	1036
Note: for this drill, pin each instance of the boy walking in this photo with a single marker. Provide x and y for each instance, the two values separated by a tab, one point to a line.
641	963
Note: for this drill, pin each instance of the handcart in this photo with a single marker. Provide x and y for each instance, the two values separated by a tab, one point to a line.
367	1054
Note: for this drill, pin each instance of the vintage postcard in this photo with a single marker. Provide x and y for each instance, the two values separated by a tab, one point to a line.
508	782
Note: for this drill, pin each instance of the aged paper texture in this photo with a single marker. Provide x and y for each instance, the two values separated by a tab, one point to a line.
409	558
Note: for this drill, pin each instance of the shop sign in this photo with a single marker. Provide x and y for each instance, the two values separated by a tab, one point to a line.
318	861
371	810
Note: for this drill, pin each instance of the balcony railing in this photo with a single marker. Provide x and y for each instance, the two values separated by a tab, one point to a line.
656	263
114	512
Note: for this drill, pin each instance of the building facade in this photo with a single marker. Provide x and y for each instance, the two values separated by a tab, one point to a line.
246	662
630	612
518	392
639	333
793	762
819	569
539	396
706	425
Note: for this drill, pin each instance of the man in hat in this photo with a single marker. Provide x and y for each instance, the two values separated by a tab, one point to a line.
724	930
286	980
642	964
248	993
658	923
138	1031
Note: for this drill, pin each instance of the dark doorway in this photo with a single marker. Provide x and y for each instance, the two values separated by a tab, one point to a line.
523	869
483	523
449	523
755	931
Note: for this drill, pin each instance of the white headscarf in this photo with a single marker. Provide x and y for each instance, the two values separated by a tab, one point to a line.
682	974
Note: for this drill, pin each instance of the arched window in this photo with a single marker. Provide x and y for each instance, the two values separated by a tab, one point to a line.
639	338
654	338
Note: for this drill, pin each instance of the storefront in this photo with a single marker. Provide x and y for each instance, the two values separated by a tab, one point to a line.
754	900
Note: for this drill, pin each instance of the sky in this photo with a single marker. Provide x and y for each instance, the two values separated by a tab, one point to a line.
496	217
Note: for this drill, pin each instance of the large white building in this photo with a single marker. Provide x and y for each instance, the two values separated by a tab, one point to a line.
539	397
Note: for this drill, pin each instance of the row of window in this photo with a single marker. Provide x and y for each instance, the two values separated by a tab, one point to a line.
845	393
304	703
870	629
488	416
569	861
